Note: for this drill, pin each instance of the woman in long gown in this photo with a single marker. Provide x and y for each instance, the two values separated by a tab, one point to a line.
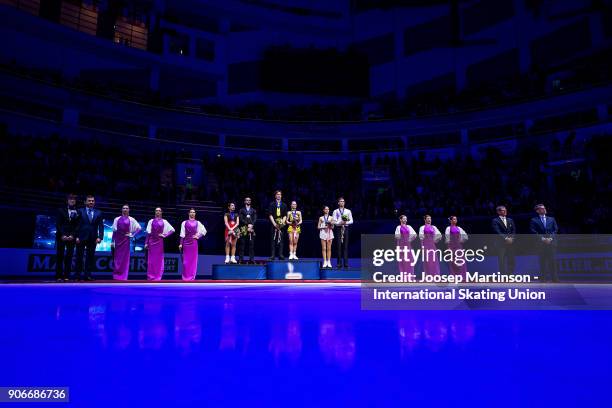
157	229
430	235
404	235
124	229
191	231
455	236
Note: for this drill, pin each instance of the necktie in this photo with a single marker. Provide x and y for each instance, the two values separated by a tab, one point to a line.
543	221
90	215
504	220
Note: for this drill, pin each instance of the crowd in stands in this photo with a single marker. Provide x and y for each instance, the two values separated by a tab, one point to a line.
578	191
59	164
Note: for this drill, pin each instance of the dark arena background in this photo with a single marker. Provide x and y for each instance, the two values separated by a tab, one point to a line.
135	272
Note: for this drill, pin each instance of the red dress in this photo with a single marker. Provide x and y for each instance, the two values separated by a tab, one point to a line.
231	220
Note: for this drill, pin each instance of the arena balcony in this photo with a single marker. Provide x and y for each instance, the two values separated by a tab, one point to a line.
38	95
191	56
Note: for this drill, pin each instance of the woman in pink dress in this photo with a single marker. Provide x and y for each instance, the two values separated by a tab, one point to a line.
124	229
404	235
455	236
191	231
157	229
430	235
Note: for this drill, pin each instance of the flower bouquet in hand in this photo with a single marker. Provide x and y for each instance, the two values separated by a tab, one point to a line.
294	220
278	235
279	222
235	232
245	230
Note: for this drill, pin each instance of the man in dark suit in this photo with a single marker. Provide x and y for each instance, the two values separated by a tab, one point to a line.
545	228
66	236
91	233
505	229
277	213
248	217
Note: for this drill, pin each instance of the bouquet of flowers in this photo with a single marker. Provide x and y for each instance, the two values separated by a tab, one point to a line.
294	220
278	235
236	232
345	217
244	231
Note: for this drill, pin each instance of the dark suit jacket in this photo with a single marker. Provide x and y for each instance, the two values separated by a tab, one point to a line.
242	215
536	227
502	230
272	209
89	231
65	225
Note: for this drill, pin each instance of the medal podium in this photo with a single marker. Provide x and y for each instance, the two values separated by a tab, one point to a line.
238	272
283	270
290	269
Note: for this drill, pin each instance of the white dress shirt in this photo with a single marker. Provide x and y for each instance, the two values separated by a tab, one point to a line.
338	216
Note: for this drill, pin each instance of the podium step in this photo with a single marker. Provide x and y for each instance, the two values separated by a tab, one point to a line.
283	270
238	272
334	273
293	269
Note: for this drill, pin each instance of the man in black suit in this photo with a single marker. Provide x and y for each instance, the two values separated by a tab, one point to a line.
91	233
277	213
505	229
66	236
248	217
545	228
